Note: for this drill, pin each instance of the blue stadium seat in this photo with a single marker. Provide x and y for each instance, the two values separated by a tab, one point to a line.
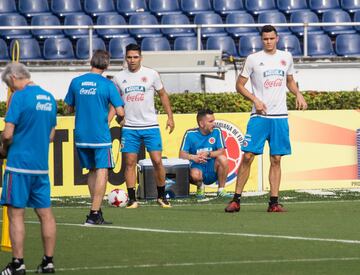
130	7
46	20
7	6
224	7
29	49
357	19
117	46
163	7
272	17
186	43
304	16
111	19
249	44
290	43
176	19
144	19
82	46
4	51
350	6
224	43
31	8
193	7
97	7
257	7
65	7
336	16
209	18
77	20
241	18
289	6
155	44
320	45
58	48
13	19
319	6
347	44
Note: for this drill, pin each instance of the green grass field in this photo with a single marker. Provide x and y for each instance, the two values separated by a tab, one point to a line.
315	236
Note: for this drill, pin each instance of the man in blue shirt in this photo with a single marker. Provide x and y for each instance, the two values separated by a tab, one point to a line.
91	95
29	128
205	148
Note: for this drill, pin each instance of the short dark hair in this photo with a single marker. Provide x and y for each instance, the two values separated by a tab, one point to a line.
268	28
202	113
133	47
100	60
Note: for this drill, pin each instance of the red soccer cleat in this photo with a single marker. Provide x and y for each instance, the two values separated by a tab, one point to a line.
233	206
277	207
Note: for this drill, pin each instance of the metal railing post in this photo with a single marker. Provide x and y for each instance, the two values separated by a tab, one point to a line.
306	25
198	33
90	42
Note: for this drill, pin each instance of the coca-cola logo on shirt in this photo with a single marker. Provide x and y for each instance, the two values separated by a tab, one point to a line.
273	83
135	97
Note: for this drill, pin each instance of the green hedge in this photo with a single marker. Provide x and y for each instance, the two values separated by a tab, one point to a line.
232	102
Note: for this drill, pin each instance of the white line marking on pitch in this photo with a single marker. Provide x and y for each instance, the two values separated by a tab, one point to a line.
209	233
205	263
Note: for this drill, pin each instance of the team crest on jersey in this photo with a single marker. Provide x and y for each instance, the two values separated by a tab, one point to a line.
212	140
144	79
283	62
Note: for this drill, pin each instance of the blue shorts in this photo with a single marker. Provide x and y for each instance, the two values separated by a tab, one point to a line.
92	158
131	140
208	171
23	190
274	130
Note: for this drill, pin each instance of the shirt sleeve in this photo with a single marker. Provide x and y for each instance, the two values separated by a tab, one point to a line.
248	68
185	145
158	85
220	143
70	96
54	119
291	69
114	95
14	112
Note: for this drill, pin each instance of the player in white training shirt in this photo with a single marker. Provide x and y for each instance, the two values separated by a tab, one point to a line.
270	72
138	85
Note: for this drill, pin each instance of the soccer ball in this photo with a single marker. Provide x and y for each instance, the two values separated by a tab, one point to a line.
118	198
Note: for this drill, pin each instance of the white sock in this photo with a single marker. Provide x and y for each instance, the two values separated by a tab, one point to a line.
220	189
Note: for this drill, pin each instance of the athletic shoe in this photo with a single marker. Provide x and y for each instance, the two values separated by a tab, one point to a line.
233	206
96	220
224	194
48	268
277	207
132	204
163	202
200	194
11	270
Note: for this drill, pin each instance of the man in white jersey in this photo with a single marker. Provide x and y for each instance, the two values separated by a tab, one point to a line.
138	85
271	72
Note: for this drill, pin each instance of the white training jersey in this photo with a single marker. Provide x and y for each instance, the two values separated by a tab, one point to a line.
268	73
138	91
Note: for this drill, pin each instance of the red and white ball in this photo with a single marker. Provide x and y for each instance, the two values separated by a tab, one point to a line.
118	198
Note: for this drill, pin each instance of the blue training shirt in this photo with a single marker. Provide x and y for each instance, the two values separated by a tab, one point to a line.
33	112
91	95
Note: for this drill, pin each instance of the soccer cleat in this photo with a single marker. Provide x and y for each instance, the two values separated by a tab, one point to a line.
132	204
96	219
276	207
233	206
200	193
224	194
45	268
163	202
11	270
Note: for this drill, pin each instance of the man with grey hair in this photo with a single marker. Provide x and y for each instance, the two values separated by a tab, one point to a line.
29	128
91	95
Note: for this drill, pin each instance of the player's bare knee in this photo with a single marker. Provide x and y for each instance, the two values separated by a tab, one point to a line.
222	160
196	175
248	158
275	160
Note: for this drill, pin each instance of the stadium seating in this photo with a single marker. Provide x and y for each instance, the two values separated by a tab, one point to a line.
224	43
155	44
46	20
257	7
320	45
289	6
65	7
186	43
164	7
82	46
241	18
304	16
13	19
130	7
347	44
29	49
97	7
144	19
319	6
290	43
31	8
79	19
193	7
350	6
335	16
209	18
272	17
111	19
58	49
4	51
249	44
117	46
357	19
224	7
173	19
7	6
